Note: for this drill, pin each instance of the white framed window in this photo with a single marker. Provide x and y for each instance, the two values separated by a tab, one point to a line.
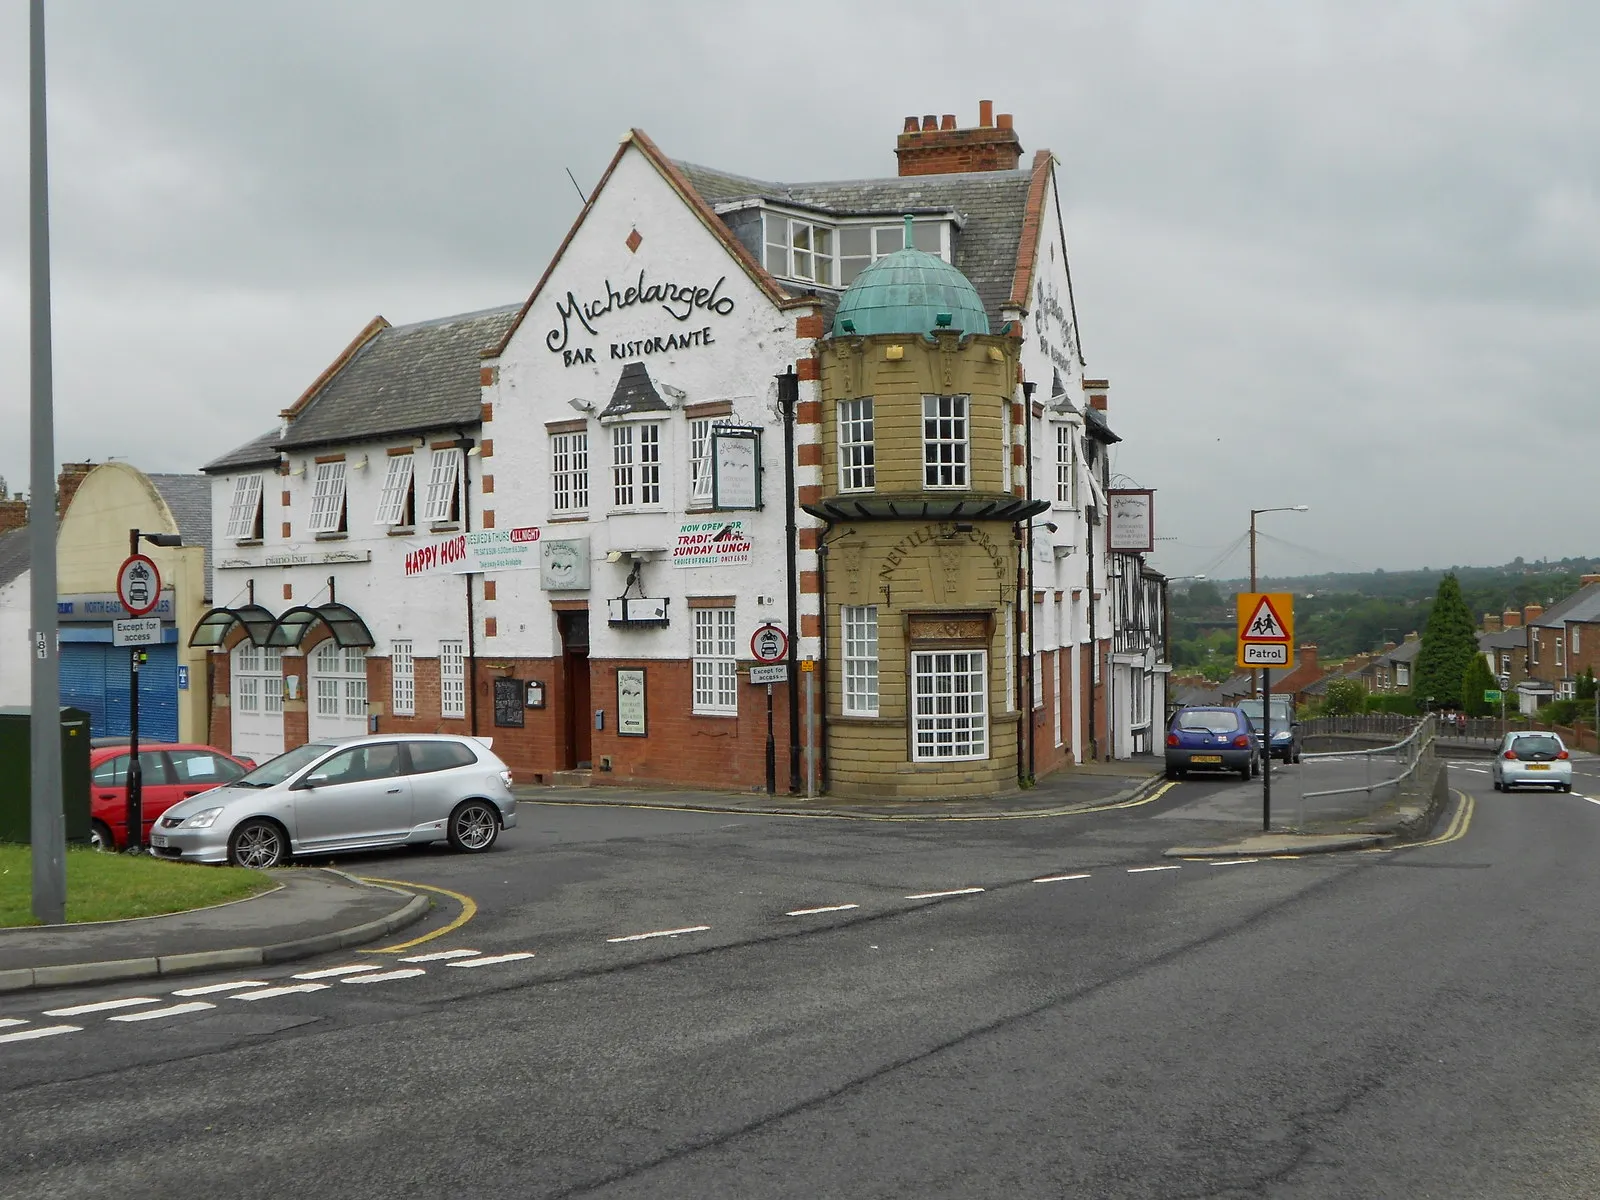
1066	467
716	663
452	680
1037	672
1402	675
258	674
244	513
950	716
700	461
862	245
1568	690
635	465
944	441
1505	664
857	453
1561	655
402	679
341	675
569	471
443	503
398	504
1575	639
327	499
1055	682
1533	648
799	249
859	625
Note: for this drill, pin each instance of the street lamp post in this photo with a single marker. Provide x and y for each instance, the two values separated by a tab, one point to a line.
1255	512
135	799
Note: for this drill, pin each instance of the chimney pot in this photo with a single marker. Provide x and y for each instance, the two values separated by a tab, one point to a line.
985	114
912	125
939	146
1003	121
948	121
1531	611
1511	618
930	122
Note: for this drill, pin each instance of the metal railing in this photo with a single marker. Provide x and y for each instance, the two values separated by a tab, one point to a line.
1377	771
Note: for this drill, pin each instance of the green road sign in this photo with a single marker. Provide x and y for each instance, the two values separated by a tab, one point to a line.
1491	696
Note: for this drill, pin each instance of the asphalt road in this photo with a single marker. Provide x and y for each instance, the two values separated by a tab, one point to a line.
1413	1024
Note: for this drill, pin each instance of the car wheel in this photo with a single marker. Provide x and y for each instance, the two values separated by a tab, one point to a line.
1566	787
474	825
100	837
1498	786
258	844
1247	770
1255	768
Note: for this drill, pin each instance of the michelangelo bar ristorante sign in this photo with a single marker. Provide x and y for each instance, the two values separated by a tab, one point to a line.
681	301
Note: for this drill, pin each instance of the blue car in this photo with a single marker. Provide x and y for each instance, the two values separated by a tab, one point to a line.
1211	738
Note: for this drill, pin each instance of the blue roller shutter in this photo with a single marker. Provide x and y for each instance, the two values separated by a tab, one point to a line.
94	677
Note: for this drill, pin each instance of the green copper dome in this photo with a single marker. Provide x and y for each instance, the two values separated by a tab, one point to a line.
908	292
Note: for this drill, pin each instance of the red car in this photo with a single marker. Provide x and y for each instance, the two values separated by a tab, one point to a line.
171	773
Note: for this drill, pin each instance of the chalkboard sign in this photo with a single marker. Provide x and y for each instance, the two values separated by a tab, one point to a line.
508	702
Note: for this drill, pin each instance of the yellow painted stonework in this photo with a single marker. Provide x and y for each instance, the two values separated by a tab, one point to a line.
92	542
936	583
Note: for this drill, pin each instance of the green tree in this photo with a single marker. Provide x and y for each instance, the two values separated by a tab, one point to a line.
1345	697
1474	683
1586	684
1449	643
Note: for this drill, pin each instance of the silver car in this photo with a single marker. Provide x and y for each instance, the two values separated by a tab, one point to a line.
1530	759
361	793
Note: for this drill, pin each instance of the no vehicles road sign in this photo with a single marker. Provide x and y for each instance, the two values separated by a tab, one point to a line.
138	585
1266	629
769	644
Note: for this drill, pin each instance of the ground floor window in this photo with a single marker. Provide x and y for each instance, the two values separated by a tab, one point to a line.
950	688
452	680
403	679
338	690
1140	707
716	663
860	623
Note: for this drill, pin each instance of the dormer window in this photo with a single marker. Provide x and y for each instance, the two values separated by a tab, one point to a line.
799	249
832	254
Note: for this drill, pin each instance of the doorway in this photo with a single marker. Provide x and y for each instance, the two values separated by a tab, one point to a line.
574	626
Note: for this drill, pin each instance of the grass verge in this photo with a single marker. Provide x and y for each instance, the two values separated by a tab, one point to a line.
112	887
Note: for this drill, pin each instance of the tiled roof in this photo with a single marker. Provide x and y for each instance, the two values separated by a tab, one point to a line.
189	498
1582	605
407	378
635	393
15	554
257	452
1405	652
1503	639
991	205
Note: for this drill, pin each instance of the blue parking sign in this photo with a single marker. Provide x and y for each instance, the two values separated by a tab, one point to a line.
183	679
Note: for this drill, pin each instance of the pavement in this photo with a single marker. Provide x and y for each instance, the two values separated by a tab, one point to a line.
312	911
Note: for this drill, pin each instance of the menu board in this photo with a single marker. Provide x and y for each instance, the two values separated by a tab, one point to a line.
508	695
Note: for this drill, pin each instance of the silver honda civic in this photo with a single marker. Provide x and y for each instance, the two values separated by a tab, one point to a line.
361	793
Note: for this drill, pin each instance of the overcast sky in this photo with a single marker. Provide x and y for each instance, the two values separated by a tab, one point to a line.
1336	254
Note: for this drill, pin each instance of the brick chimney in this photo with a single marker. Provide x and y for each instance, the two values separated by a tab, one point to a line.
1586	580
935	147
1511	619
1531	613
1412	636
72	475
1308	657
13	513
1097	389
1491	623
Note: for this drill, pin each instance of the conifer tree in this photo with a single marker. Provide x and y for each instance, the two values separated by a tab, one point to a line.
1448	645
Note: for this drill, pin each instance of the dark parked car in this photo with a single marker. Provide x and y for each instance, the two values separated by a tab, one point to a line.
1211	738
1285	726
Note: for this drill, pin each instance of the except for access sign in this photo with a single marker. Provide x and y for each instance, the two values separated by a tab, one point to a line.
1266	629
774	674
136	631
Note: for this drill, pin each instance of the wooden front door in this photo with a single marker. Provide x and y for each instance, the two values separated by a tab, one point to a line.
575	669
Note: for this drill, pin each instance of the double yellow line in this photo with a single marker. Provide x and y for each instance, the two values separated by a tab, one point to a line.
1457	828
469	909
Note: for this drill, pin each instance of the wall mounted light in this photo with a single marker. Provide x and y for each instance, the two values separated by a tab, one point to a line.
583	406
894	353
300	470
359	466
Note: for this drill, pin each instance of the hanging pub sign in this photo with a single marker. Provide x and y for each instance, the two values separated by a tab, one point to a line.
1132	528
735	467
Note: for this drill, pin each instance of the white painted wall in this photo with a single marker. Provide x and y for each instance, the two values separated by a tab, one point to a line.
16	619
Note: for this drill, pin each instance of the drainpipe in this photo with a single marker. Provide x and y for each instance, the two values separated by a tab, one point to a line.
822	657
1094	647
463	444
788	397
1033	646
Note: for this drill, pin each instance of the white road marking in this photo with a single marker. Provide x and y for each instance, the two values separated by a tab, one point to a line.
440	956
1060	878
517	956
952	892
8	1022
826	908
174	1010
43	1031
1590	799
78	1010
1475	770
209	988
1232	862
287	990
330	972
402	973
639	937
1168	867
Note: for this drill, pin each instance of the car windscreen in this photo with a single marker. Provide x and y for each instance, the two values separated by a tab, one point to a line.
270	773
1536	747
1207	720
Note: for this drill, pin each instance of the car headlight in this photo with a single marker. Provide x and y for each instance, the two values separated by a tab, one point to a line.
204	819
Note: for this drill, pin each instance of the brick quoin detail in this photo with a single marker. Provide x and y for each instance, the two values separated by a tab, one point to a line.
809	368
810	625
490	627
808	412
808	583
810	493
487	483
488	589
488	518
284	499
808	539
286	529
486	450
288	592
486	412
808	327
1018	458
809	454
487	377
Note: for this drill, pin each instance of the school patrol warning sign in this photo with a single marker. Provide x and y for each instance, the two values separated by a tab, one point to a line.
1266	629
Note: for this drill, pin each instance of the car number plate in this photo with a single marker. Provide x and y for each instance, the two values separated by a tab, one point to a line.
1216	758
158	840
1538	766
